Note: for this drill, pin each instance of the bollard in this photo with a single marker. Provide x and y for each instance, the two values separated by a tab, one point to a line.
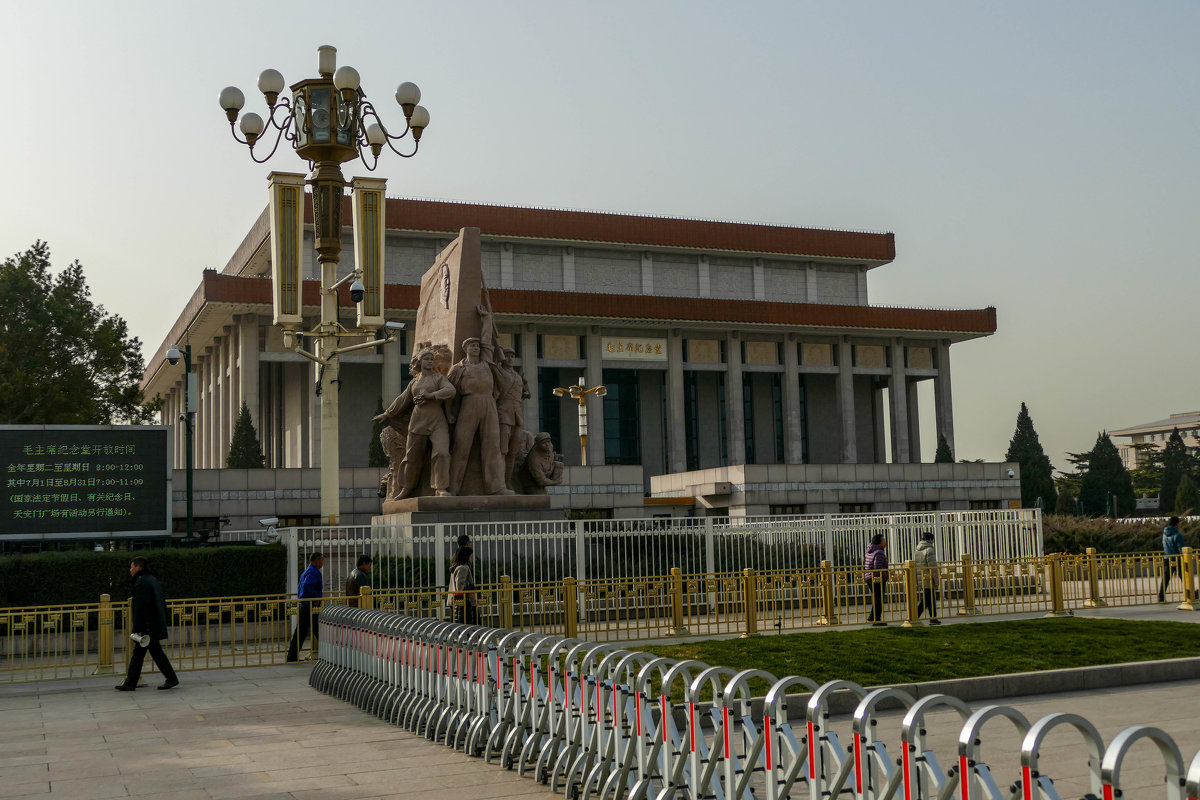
104	646
506	601
1187	569
570	607
750	600
827	596
677	628
364	597
968	587
911	577
1093	563
1054	568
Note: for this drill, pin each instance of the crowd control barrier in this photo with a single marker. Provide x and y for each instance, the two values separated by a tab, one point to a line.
595	721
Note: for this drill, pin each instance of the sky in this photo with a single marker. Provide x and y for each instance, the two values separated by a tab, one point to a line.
1037	157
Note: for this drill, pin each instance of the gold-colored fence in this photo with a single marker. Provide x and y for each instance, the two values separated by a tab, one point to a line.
49	642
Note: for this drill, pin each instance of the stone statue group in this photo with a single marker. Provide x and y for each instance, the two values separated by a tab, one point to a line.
460	429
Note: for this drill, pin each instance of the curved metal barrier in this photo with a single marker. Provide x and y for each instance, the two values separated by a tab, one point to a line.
595	721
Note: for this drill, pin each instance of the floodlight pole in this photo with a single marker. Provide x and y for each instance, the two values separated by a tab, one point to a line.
579	391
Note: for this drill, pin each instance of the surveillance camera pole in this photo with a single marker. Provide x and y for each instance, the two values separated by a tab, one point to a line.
189	414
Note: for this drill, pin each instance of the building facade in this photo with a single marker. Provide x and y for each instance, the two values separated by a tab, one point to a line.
721	344
1155	434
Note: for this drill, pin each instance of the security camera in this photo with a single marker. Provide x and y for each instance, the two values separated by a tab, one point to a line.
269	522
173	355
1011	474
183	417
394	326
357	291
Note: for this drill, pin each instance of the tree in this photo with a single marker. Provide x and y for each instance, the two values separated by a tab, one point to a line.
63	359
1175	466
375	455
1065	504
1037	473
1187	497
1106	475
245	452
943	455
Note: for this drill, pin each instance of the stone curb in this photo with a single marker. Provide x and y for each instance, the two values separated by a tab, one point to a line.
998	687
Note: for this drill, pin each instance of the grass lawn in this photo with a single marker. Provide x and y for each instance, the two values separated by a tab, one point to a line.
878	656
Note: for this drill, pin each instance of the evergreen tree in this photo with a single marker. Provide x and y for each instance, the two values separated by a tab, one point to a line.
1065	504
944	454
1037	473
1174	467
245	452
1106	474
1187	497
375	455
63	359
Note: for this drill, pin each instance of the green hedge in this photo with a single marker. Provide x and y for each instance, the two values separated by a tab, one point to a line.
39	579
1069	534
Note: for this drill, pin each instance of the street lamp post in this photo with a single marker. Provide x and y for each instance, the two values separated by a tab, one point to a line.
188	416
580	392
328	121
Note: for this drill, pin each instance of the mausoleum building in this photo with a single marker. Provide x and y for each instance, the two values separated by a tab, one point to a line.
720	343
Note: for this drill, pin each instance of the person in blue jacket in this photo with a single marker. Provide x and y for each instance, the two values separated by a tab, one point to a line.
311	588
1172	541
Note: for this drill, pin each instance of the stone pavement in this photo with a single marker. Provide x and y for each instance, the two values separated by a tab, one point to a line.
260	732
264	733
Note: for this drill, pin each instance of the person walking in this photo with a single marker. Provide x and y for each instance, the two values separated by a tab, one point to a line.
359	577
875	573
1172	544
311	588
149	624
925	559
462	586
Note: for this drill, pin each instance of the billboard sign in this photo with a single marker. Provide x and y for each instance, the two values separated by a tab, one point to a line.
79	481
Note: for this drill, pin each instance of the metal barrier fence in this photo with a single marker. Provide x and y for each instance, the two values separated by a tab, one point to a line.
47	642
535	552
596	721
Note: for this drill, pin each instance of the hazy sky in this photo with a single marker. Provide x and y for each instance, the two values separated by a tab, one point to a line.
1037	156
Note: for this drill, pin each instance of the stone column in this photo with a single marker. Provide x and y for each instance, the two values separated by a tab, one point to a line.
394	366
211	355
529	368
594	375
943	405
735	417
793	424
247	385
231	402
845	395
914	424
898	397
676	430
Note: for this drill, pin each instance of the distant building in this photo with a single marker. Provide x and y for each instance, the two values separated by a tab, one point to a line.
1157	433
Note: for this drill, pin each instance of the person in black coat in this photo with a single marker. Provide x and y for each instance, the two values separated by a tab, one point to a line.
149	619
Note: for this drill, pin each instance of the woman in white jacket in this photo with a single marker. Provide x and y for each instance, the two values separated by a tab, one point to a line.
925	558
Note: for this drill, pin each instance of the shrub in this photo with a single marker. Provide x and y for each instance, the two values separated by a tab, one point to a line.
1069	534
38	579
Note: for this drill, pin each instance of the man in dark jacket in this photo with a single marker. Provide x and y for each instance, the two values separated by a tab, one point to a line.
1172	542
311	587
359	577
149	621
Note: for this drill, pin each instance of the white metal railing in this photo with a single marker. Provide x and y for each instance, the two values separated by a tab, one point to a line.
407	556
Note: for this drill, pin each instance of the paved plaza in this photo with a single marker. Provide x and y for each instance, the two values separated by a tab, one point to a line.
264	733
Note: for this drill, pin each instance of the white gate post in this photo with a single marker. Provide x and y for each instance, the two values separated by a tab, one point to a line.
580	552
710	547
439	554
829	538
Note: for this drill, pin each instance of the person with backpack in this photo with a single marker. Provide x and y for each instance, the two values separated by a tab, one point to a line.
875	573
